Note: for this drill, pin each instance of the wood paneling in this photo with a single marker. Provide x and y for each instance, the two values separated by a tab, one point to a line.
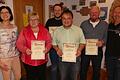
19	10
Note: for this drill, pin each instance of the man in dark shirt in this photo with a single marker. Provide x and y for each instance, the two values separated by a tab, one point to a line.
112	53
54	22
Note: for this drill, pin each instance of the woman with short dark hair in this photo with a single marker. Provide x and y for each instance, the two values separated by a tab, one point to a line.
9	56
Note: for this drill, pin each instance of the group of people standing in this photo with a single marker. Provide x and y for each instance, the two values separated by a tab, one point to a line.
66	45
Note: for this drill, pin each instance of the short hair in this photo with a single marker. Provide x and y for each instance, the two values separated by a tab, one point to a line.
58	5
95	6
33	14
9	10
67	12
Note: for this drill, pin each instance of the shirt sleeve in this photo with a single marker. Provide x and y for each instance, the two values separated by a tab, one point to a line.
54	41
82	37
48	41
105	34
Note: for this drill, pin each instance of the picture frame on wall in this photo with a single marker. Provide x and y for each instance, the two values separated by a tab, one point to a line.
74	7
82	2
84	11
101	1
51	14
103	13
28	9
93	3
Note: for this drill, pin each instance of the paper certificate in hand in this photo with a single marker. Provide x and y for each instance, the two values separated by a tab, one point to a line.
69	52
52	29
37	48
91	47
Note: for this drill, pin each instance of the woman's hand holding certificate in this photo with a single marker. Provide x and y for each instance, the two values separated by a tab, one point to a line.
28	51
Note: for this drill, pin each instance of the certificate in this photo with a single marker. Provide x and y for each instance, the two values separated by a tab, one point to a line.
52	29
91	47
69	52
37	48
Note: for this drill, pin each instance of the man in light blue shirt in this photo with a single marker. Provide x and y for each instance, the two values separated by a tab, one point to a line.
68	34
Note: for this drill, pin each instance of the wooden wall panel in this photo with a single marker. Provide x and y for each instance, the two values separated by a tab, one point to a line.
19	10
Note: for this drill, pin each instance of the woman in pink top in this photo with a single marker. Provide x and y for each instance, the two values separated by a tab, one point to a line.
35	32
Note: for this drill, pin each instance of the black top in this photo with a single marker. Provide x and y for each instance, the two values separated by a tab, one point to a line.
113	40
53	22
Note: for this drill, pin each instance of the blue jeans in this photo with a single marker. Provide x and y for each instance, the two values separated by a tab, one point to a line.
113	67
69	70
54	67
96	65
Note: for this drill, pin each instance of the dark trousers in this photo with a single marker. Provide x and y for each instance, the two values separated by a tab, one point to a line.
113	67
35	72
54	67
96	65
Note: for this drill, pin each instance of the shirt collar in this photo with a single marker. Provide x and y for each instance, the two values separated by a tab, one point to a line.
72	27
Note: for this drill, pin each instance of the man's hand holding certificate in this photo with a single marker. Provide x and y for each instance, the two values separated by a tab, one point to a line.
91	47
37	48
69	52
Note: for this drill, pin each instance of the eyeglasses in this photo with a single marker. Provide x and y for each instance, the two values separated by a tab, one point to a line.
33	19
4	12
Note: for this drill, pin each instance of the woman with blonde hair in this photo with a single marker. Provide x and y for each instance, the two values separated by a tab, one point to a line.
34	32
112	53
